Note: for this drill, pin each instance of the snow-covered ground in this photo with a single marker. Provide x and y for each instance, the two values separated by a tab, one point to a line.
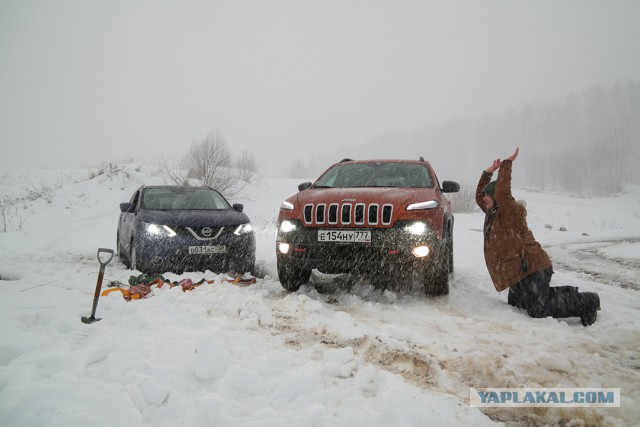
229	355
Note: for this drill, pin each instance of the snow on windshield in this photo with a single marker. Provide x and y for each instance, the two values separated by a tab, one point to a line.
376	175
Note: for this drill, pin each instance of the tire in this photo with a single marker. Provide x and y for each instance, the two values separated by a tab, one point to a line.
450	250
398	278
382	281
292	277
437	283
134	264
121	256
437	275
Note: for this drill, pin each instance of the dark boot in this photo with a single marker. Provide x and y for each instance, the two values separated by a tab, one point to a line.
515	299
563	301
589	308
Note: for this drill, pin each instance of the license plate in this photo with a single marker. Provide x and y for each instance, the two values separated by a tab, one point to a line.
344	236
206	250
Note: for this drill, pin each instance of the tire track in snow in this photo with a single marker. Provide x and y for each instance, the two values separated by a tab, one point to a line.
412	366
452	371
589	259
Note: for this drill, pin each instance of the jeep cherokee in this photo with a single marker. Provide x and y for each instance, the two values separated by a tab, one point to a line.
385	219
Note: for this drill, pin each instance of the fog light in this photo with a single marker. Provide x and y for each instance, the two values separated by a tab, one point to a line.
421	251
283	248
287	226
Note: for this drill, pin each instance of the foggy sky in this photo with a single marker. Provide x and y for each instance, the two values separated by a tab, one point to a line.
84	82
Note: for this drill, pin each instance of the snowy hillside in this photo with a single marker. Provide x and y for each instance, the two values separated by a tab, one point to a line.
229	355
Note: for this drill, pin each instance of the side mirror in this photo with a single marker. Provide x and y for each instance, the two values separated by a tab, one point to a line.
238	207
304	186
127	207
450	187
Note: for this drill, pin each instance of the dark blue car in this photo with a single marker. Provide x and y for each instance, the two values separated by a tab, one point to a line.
174	228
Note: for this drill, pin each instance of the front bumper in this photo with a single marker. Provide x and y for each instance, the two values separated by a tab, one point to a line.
389	248
161	254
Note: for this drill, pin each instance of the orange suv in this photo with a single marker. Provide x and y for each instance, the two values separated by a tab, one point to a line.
388	220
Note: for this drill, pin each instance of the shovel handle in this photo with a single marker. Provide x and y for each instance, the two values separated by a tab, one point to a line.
104	263
96	294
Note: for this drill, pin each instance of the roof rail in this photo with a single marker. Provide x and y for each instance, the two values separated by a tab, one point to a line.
346	160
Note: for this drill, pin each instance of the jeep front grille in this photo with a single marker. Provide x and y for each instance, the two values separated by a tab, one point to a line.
359	214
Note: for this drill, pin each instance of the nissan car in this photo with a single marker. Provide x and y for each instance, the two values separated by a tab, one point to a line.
178	228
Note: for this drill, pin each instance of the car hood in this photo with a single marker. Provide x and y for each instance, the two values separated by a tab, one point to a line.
396	196
193	218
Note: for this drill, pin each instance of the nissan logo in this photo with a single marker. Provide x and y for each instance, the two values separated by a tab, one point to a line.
206	232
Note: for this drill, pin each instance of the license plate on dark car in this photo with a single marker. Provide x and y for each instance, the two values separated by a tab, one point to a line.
206	250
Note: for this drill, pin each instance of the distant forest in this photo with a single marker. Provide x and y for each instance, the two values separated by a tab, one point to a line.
586	143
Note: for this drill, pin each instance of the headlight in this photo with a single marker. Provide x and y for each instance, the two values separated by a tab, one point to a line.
243	229
431	204
159	230
416	228
284	248
421	251
286	205
286	226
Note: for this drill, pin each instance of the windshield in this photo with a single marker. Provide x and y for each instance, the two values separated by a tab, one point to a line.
403	175
181	198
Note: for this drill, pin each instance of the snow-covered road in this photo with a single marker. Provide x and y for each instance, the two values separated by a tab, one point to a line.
223	354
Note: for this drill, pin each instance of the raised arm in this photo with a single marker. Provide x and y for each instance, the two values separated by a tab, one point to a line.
484	180
503	195
503	184
494	167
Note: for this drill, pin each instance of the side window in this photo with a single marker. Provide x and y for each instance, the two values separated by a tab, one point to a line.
135	198
437	181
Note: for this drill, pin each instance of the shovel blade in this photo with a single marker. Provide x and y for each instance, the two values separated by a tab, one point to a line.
90	319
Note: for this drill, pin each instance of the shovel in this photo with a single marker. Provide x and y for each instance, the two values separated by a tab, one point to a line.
103	264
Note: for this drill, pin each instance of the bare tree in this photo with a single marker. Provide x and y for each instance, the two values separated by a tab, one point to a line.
210	162
464	200
3	217
206	157
173	173
246	166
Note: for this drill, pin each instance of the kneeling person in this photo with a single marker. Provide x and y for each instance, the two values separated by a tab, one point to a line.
515	259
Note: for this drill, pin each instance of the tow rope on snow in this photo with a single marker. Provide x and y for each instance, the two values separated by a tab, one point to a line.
142	286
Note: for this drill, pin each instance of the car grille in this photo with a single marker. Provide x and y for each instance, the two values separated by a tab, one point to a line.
349	214
203	233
